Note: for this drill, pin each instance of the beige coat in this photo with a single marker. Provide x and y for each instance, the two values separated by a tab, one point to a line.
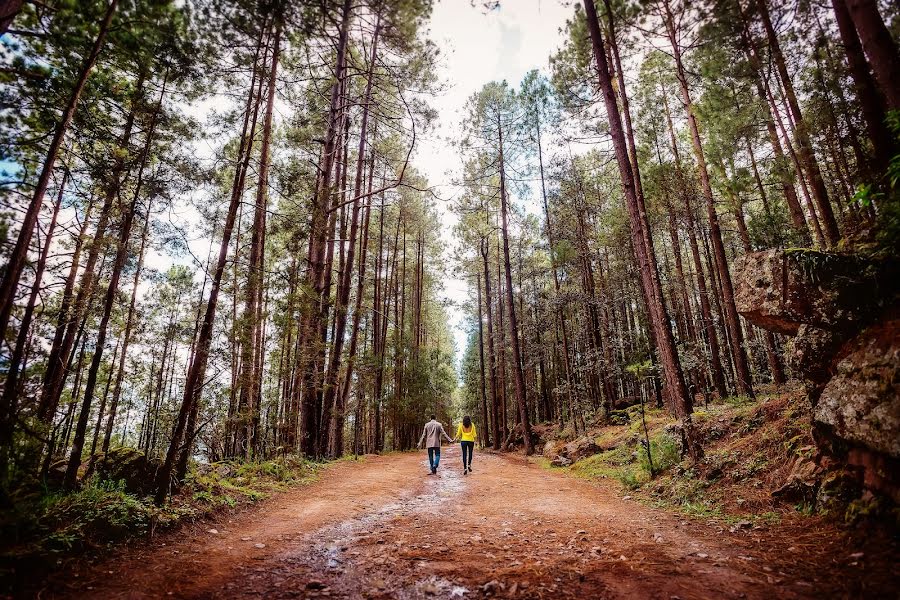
432	435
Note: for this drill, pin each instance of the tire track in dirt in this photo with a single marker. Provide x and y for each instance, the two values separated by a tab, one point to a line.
385	528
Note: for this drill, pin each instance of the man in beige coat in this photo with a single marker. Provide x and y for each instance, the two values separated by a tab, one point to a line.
431	436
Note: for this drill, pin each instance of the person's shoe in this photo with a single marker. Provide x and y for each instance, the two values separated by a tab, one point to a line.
434	470
470	468
465	471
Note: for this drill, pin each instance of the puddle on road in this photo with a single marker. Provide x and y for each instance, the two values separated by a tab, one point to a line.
430	587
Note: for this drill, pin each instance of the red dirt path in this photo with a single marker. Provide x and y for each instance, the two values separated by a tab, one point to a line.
384	528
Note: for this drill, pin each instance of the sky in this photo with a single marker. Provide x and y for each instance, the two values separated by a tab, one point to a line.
478	47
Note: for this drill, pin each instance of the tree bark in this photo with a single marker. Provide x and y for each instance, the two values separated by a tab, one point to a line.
639	232
870	98
743	378
8	404
518	375
55	375
313	316
13	271
492	363
332	398
879	46
194	379
801	131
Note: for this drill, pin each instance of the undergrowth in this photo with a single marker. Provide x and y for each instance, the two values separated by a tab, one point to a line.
45	524
750	445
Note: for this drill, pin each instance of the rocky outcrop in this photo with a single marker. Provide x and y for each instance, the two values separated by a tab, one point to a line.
861	402
781	290
128	465
563	455
842	313
858	411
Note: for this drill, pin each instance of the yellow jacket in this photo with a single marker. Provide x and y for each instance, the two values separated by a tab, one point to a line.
466	436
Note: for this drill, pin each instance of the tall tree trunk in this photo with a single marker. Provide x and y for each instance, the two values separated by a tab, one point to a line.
870	99
743	378
250	341
332	398
879	46
639	233
8	404
492	363
560	314
13	271
518	375
55	375
801	131
708	323
762	89
482	381
357	311
313	316
126	335
194	379
109	300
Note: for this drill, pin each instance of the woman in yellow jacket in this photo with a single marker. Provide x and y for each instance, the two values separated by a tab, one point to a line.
466	435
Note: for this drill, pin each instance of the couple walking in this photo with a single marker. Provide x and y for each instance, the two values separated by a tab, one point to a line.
433	433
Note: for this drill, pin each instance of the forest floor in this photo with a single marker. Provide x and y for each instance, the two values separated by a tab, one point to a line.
385	528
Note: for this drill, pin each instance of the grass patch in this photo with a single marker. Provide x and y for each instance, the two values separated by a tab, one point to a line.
43	524
751	447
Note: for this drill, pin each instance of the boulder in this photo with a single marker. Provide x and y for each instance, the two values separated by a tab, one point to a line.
56	473
564	455
809	353
552	449
860	404
580	448
781	290
130	466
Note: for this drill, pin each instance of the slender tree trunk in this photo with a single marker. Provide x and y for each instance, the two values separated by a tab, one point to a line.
194	379
492	363
518	375
739	355
250	341
762	88
880	48
708	323
870	98
13	271
108	302
312	318
126	336
640	232
55	375
8	404
801	131
332	397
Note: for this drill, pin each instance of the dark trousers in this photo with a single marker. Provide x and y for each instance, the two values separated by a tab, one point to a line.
434	457
468	448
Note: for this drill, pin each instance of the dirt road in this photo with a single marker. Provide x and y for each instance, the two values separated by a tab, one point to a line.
385	528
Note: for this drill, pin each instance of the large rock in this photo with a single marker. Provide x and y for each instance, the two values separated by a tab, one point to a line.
852	374
563	455
781	290
861	402
809	352
130	466
580	448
